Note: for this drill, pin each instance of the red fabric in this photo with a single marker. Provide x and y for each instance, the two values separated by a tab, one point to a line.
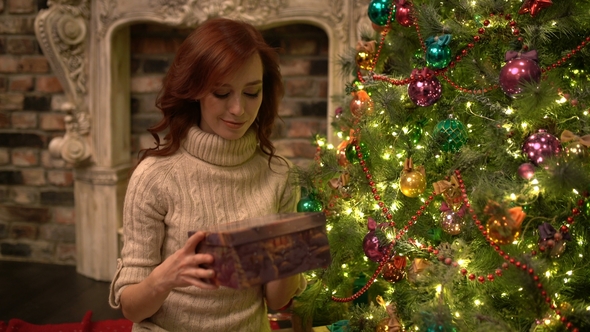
87	325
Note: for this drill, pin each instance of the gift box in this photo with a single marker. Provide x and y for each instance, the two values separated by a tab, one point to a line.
258	250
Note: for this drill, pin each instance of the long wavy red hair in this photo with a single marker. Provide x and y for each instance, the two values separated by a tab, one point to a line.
209	55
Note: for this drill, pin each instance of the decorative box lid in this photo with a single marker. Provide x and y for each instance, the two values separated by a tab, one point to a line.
262	228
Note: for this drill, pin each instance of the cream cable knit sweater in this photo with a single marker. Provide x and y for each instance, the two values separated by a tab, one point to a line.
209	181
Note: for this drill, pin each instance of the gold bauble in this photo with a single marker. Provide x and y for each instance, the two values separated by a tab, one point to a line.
576	151
364	59
383	325
395	269
555	248
502	230
503	227
412	183
389	325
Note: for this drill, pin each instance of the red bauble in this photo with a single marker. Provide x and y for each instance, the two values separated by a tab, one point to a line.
534	6
403	16
516	72
425	92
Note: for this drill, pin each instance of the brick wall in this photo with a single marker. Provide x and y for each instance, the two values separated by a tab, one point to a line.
36	192
37	221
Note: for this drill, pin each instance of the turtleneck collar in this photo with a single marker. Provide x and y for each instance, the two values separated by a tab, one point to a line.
218	151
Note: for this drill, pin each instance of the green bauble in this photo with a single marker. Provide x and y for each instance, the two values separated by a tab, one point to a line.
479	20
435	235
309	204
416	133
379	11
441	328
418	55
453	133
438	56
352	155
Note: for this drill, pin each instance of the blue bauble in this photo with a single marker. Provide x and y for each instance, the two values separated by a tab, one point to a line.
309	204
379	11
438	56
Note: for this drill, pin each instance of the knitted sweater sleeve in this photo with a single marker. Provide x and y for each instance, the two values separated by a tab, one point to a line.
143	221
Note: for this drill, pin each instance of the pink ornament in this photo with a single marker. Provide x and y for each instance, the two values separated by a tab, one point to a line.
371	245
425	92
372	248
526	171
520	68
403	14
541	146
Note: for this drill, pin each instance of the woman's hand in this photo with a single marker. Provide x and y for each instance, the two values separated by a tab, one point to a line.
184	267
280	292
181	269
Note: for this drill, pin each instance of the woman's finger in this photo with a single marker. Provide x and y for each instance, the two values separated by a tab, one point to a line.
193	241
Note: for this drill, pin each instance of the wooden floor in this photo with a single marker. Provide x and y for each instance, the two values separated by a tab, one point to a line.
50	294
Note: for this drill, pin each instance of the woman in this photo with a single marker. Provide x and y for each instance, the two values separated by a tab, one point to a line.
215	165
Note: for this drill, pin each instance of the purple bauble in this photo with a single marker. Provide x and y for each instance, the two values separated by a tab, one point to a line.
371	247
516	72
425	92
541	146
526	171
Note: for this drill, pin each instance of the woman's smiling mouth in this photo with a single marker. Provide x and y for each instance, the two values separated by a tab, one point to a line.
233	125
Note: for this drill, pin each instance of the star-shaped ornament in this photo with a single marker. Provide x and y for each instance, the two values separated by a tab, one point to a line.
534	6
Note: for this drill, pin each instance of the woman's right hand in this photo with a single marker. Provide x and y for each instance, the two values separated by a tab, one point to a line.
184	267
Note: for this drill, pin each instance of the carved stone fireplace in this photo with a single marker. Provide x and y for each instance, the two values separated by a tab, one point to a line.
87	44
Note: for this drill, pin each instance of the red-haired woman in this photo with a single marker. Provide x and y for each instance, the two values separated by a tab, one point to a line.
215	164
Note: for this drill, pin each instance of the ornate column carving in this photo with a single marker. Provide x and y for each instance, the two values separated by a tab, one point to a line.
62	31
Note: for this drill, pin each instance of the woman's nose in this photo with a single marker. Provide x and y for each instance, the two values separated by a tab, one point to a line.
236	106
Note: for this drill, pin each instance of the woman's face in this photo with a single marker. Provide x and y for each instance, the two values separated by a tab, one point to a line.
232	106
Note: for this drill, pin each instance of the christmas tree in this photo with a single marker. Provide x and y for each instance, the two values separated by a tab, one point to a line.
457	194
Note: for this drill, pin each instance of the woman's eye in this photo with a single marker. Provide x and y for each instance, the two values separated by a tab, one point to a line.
252	94
221	95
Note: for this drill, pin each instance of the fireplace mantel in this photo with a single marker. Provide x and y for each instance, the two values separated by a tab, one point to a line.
88	46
